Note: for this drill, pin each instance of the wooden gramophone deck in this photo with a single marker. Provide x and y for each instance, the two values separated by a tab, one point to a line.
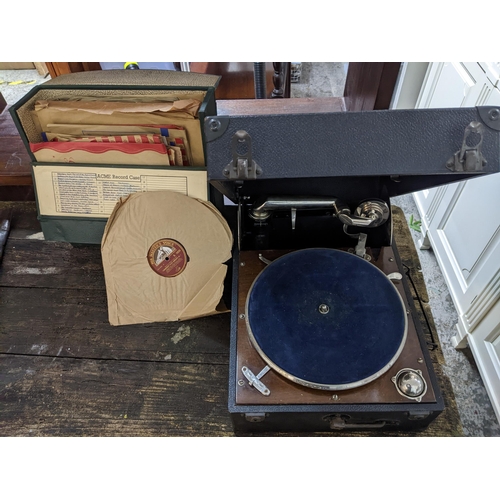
284	391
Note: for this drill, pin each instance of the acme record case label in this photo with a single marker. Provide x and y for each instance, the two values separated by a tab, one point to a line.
82	191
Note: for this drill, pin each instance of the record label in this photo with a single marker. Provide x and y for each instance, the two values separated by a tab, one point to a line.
167	257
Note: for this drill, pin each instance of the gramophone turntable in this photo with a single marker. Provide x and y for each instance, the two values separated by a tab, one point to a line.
324	335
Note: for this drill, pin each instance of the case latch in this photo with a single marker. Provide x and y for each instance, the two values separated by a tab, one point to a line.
340	422
242	167
469	158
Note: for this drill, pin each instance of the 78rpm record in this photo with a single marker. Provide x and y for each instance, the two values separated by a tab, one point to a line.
326	319
164	257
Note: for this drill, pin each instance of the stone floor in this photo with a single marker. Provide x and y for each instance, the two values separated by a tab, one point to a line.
16	83
328	80
320	80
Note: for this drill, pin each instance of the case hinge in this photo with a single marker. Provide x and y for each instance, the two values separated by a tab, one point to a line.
242	167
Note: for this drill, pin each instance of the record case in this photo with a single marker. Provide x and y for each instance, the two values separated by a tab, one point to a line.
85	223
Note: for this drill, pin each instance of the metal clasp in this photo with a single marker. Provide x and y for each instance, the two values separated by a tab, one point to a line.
469	158
242	167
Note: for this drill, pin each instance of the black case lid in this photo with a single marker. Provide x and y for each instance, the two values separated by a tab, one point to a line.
399	151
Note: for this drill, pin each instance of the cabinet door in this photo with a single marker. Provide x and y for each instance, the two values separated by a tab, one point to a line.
454	85
485	345
492	70
465	235
493	97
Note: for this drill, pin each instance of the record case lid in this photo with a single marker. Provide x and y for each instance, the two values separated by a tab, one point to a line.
135	78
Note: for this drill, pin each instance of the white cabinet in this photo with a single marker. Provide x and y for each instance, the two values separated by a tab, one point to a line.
452	85
492	70
461	223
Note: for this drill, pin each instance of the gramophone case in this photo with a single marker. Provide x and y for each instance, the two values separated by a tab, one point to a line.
324	332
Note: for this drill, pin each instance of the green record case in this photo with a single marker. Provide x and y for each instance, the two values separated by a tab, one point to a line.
86	225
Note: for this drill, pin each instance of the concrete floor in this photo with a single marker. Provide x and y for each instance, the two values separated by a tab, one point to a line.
328	80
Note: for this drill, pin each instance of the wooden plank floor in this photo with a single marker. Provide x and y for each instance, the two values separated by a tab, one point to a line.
65	371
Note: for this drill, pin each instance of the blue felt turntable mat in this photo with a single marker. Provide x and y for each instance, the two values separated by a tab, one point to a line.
326	317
